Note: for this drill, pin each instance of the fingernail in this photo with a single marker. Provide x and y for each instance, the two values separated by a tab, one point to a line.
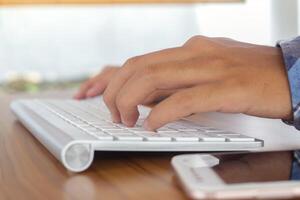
123	121
115	119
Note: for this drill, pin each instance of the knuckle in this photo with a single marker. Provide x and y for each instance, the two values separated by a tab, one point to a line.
149	74
132	61
222	38
196	40
149	71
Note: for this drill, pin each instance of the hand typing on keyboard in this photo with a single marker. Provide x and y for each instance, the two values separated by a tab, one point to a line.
92	118
205	74
72	130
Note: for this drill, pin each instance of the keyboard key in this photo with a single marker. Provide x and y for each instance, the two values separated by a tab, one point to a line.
128	138
187	129
83	125
235	137
107	128
100	124
135	129
91	129
208	137
124	135
166	130
182	137
210	129
93	118
154	137
117	132
143	131
80	124
122	126
103	136
175	126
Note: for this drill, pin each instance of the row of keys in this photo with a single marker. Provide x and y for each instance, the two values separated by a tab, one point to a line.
102	128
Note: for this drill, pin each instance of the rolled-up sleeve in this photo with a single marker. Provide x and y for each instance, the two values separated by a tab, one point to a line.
291	54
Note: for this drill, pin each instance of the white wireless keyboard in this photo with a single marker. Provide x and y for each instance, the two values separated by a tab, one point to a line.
72	130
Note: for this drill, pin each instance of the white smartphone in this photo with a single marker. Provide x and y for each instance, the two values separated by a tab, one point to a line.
200	181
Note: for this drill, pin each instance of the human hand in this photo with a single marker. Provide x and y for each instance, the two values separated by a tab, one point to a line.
255	167
204	75
97	84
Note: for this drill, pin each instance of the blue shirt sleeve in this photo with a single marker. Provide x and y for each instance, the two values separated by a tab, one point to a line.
291	54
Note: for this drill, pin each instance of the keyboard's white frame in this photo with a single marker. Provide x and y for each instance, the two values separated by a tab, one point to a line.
77	155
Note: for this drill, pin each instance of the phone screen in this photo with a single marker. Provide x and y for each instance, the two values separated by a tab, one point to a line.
254	167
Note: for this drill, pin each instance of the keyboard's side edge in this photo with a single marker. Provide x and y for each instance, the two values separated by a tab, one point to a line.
41	130
58	143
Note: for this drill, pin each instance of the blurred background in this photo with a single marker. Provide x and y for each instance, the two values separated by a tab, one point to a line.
56	44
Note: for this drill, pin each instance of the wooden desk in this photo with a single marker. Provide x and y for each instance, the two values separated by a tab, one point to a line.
29	171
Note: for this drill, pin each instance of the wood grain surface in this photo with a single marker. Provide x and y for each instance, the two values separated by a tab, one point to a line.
29	171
